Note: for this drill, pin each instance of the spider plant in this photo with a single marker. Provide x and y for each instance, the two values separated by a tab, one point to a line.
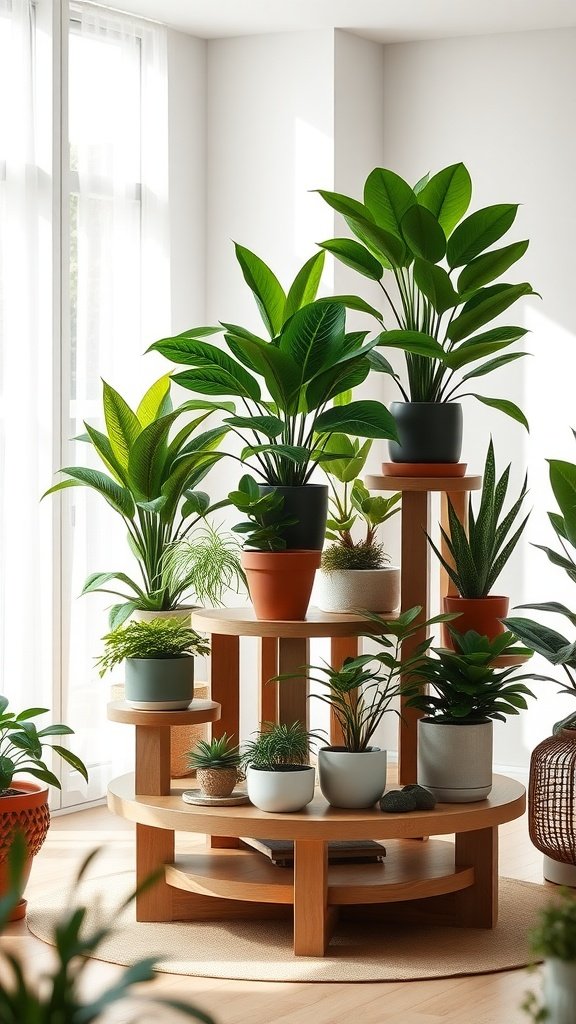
447	279
205	565
278	745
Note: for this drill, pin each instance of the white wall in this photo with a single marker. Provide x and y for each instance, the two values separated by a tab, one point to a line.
506	106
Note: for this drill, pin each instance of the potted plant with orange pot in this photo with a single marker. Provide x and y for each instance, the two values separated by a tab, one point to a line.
23	804
477	556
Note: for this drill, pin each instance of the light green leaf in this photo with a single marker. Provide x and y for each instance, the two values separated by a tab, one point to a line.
356	256
447	195
478	231
265	287
508	408
122	424
118	497
387	197
152	404
423	234
304	287
489	266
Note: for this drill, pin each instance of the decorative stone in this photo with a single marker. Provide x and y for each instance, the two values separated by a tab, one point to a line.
425	801
397	802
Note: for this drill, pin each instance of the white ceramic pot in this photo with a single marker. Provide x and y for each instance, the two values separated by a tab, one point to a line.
281	791
350	779
559	989
455	761
559	872
184	613
349	590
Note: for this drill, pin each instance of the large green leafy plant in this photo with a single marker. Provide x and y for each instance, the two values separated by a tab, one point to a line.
480	554
286	383
22	745
446	280
467	686
150	483
552	645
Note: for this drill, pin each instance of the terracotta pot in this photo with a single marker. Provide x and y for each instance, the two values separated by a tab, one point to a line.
280	582
27	811
481	614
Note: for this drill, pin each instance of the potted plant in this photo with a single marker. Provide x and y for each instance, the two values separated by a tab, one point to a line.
553	761
353	773
278	777
448	287
477	557
353	571
24	804
280	581
286	386
159	662
205	565
467	692
217	765
150	482
554	940
59	995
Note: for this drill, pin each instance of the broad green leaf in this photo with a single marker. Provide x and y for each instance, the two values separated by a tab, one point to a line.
151	405
539	638
423	234
313	338
294	453
387	197
271	426
104	449
489	266
493	364
342	204
487	304
381	365
354	302
413	341
97	580
563	483
71	759
223	371
122	424
478	231
148	457
212	380
118	497
447	195
265	287
361	419
418	187
186	472
280	371
338	380
386	246
356	256
436	285
304	287
484	344
508	408
552	606
195	332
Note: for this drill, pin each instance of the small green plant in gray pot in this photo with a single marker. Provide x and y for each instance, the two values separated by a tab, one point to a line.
467	692
217	765
158	661
278	775
354	571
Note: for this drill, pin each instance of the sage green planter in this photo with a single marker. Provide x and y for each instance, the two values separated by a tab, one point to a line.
159	684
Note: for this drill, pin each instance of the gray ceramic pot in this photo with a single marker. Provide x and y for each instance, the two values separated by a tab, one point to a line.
351	779
455	761
427	431
159	684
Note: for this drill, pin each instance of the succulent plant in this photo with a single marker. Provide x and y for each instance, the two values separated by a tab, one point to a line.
216	753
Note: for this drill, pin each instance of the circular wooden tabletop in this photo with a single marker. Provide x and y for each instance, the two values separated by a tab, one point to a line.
448	484
243	622
318	820
198	712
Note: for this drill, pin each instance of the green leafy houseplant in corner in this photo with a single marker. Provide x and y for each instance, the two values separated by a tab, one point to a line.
59	995
479	554
217	765
24	805
354	573
278	776
158	662
447	288
285	385
150	482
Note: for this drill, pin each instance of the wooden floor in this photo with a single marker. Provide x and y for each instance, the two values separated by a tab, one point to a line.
483	999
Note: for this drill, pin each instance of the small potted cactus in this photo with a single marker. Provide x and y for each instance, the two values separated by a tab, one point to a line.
217	765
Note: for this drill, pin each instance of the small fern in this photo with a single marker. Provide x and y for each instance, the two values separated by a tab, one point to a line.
355	556
160	638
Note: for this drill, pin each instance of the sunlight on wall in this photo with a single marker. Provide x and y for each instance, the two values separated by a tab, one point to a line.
313	168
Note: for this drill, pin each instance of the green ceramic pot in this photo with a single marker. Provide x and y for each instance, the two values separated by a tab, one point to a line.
159	684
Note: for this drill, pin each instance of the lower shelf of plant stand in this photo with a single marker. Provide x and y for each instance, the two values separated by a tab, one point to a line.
412	870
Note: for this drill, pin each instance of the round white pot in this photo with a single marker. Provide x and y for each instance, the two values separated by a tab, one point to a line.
350	779
348	590
281	791
559	989
455	761
184	613
559	872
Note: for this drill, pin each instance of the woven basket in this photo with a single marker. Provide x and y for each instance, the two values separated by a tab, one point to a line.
182	737
217	781
33	822
552	797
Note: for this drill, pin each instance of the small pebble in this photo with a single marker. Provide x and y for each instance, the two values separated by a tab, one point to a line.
397	802
425	801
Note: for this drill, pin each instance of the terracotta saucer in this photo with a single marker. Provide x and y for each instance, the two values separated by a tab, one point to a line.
424	469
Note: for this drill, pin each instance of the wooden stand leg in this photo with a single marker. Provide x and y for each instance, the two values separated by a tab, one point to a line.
154	848
312	921
152	759
341	647
415	554
225	689
268	669
478	905
293	653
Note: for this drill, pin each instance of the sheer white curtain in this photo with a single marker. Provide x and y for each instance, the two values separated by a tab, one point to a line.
119	304
26	374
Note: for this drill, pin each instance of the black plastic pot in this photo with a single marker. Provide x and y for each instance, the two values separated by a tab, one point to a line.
428	432
309	504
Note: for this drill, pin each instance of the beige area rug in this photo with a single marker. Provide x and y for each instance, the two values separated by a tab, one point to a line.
262	950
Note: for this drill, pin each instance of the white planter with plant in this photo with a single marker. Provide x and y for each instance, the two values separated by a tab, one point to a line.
467	692
217	765
158	661
277	774
354	573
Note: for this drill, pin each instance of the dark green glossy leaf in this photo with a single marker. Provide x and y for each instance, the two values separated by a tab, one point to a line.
118	497
487	304
436	285
271	426
447	195
423	234
508	408
563	483
361	419
493	364
413	341
356	256
305	286
478	231
489	266
313	338
266	288
387	196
